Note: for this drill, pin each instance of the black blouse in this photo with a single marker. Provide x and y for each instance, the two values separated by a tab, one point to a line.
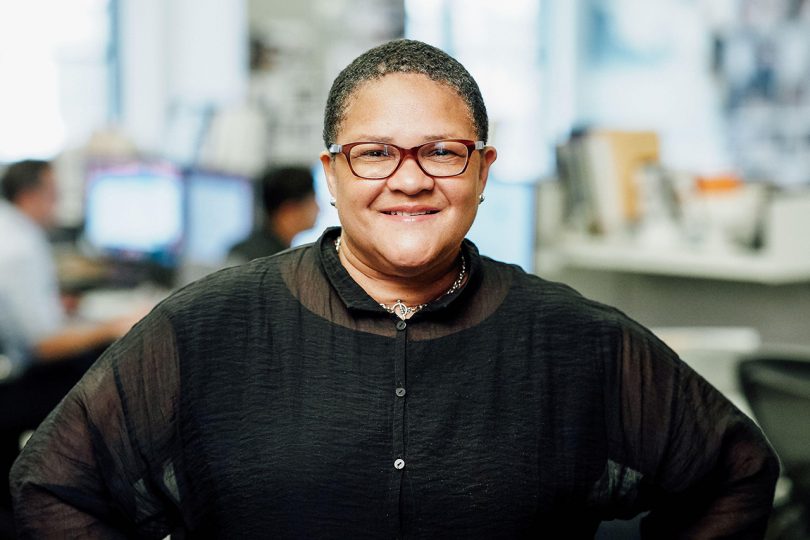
278	400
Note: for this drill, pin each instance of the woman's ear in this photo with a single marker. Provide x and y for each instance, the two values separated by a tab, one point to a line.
328	170
488	157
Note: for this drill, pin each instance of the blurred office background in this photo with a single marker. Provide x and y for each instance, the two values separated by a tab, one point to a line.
653	154
645	148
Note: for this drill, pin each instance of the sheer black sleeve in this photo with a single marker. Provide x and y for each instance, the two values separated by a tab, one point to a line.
682	450
100	465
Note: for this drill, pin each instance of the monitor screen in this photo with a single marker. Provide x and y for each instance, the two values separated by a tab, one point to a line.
135	212
220	213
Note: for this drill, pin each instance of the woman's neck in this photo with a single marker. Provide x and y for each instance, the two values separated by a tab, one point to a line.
412	290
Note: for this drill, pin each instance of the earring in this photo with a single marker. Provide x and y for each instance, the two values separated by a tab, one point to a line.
333	202
480	198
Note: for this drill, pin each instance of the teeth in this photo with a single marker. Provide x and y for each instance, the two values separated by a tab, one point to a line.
411	213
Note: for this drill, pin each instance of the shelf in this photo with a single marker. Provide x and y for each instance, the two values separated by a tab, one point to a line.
762	268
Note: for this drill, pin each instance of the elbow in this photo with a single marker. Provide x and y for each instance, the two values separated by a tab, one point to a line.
21	483
771	468
758	470
765	463
24	497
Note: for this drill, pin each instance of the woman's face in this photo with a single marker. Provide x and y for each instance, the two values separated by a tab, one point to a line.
409	222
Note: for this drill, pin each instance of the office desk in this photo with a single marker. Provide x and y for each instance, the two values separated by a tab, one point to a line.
107	303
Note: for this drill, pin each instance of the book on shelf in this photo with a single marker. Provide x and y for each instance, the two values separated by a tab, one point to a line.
600	170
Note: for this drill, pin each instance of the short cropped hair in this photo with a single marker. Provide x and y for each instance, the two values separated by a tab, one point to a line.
403	56
21	177
282	184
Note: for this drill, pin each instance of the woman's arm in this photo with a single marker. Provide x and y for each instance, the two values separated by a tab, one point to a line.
705	469
94	468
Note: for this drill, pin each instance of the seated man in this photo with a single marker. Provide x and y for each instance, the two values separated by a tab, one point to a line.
288	199
43	354
28	284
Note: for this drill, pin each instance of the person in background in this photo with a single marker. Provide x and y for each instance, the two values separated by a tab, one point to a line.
288	201
43	354
29	289
388	380
12	350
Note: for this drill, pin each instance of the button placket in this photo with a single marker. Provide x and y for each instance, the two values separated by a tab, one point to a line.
399	417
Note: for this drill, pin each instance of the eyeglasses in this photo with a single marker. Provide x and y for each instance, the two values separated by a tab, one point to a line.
377	161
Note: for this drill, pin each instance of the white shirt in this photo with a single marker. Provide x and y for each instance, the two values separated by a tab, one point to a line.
29	290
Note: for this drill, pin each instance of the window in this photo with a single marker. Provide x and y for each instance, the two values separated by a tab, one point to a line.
56	60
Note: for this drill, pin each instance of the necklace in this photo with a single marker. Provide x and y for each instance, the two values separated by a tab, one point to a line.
403	311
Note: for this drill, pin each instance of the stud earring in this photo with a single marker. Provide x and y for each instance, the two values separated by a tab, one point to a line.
480	198
333	202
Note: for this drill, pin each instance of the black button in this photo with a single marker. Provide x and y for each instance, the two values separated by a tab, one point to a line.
400	392
401	325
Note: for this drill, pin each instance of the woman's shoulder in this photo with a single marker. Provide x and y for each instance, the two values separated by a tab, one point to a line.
554	301
236	288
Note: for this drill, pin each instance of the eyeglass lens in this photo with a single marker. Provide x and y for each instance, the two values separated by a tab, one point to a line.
378	160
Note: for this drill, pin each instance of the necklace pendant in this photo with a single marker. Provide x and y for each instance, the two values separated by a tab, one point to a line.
401	309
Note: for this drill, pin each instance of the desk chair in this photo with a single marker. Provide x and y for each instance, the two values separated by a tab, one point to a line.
777	387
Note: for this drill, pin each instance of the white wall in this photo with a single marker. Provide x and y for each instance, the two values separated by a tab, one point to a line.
193	52
649	68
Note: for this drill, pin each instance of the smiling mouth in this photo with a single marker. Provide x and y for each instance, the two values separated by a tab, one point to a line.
424	213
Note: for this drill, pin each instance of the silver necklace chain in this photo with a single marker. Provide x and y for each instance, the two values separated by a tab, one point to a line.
403	311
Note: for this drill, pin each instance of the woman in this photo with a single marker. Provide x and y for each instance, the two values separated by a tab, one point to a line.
388	381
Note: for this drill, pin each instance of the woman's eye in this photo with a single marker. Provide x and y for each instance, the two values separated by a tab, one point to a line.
378	152
440	152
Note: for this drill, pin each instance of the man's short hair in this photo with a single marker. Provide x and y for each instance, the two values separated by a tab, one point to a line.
403	56
21	177
282	184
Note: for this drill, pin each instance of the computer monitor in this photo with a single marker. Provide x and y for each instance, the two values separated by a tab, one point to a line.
134	212
219	213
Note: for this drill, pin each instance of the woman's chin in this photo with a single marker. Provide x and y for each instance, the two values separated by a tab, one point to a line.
412	259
